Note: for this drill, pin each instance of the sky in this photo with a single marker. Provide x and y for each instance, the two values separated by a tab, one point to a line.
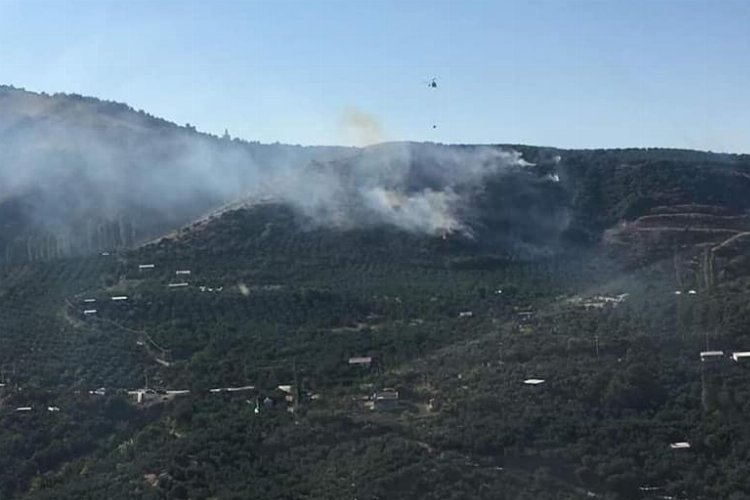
565	73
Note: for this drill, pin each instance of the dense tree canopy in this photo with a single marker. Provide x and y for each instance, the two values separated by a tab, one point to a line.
454	325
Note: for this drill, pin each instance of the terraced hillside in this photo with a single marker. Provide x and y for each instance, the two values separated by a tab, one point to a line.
254	393
706	241
445	322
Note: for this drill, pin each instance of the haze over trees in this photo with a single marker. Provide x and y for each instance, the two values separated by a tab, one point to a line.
471	270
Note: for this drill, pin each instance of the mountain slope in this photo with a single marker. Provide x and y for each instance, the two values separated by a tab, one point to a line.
401	321
82	175
79	174
452	325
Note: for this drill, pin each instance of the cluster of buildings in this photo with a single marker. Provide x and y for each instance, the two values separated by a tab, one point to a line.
599	301
283	396
384	400
708	356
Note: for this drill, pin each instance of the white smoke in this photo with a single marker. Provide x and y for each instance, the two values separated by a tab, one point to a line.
416	187
428	211
82	157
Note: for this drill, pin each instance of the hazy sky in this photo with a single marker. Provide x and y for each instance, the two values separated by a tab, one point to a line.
566	73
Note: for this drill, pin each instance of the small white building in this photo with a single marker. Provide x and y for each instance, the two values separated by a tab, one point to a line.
385	394
360	360
177	285
178	392
24	408
465	314
142	395
182	272
89	312
385	400
146	266
740	355
53	408
119	298
534	381
711	355
680	445
89	301
232	389
241	388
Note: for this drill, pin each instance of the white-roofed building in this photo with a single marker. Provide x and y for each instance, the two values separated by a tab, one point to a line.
711	355
360	360
534	381
680	445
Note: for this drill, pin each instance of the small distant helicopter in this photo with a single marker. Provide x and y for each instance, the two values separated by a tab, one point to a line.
431	84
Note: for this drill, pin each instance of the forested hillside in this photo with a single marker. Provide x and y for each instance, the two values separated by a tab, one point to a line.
415	321
275	308
80	175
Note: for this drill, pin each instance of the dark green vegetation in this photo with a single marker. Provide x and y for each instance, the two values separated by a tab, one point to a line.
286	303
79	174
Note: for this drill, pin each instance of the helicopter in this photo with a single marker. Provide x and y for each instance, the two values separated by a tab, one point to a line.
432	84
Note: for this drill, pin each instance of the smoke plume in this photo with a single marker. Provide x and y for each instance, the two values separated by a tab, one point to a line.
361	128
96	174
423	188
